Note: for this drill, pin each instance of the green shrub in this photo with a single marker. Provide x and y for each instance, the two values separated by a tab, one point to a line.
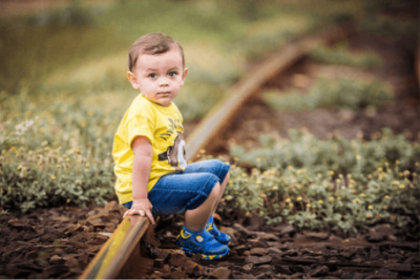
342	156
318	201
340	55
61	156
47	177
344	93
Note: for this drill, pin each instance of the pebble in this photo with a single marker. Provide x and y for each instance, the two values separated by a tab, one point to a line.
259	251
220	273
258	260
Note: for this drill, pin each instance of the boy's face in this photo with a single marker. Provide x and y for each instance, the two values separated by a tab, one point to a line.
159	76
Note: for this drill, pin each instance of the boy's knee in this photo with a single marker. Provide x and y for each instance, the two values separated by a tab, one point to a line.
215	192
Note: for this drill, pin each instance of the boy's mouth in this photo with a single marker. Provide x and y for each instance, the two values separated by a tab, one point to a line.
164	93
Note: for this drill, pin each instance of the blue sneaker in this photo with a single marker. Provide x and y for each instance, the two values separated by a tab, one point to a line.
218	235
202	243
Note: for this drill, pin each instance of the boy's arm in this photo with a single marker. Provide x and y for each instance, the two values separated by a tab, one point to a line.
141	170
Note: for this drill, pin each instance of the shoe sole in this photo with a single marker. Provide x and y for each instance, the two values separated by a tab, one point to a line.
189	253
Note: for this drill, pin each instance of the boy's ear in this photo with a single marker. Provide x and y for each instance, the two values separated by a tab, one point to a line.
133	80
184	75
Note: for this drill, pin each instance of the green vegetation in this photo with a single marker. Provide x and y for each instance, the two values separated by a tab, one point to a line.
344	93
339	184
59	157
303	150
339	54
326	200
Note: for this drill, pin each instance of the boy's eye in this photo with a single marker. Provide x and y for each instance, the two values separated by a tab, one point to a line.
173	74
152	75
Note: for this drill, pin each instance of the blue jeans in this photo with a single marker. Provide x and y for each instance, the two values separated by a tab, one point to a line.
186	190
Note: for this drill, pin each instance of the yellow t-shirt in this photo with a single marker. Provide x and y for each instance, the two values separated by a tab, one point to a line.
163	127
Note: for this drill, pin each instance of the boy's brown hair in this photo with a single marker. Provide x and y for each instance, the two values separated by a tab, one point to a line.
153	43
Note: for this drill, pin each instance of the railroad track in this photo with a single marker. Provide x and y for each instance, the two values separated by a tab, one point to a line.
120	255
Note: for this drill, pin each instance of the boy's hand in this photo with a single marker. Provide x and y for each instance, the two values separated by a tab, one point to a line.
141	207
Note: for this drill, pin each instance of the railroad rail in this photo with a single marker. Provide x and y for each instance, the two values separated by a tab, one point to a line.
123	245
417	63
112	260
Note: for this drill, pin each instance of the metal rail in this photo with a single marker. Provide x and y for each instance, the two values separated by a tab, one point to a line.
417	63
122	245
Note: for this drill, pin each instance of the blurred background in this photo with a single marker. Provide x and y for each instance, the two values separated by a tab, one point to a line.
63	87
77	49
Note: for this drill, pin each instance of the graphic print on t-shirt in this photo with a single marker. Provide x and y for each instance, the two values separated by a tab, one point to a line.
176	154
174	125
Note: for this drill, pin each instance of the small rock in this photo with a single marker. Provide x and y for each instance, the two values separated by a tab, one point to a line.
243	269
231	232
347	253
290	253
287	229
223	264
257	242
16	223
107	234
287	246
263	276
297	268
357	260
265	268
269	236
241	249
274	250
56	259
177	259
177	274
336	274
242	231
60	219
220	273
282	269
164	255
335	238
258	260
242	276
379	232
316	235
181	260
56	269
112	206
259	251
392	238
256	222
320	271
158	263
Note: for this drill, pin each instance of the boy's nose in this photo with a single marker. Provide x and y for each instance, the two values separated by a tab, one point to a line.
163	83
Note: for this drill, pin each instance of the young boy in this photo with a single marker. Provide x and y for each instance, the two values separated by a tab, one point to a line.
149	151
